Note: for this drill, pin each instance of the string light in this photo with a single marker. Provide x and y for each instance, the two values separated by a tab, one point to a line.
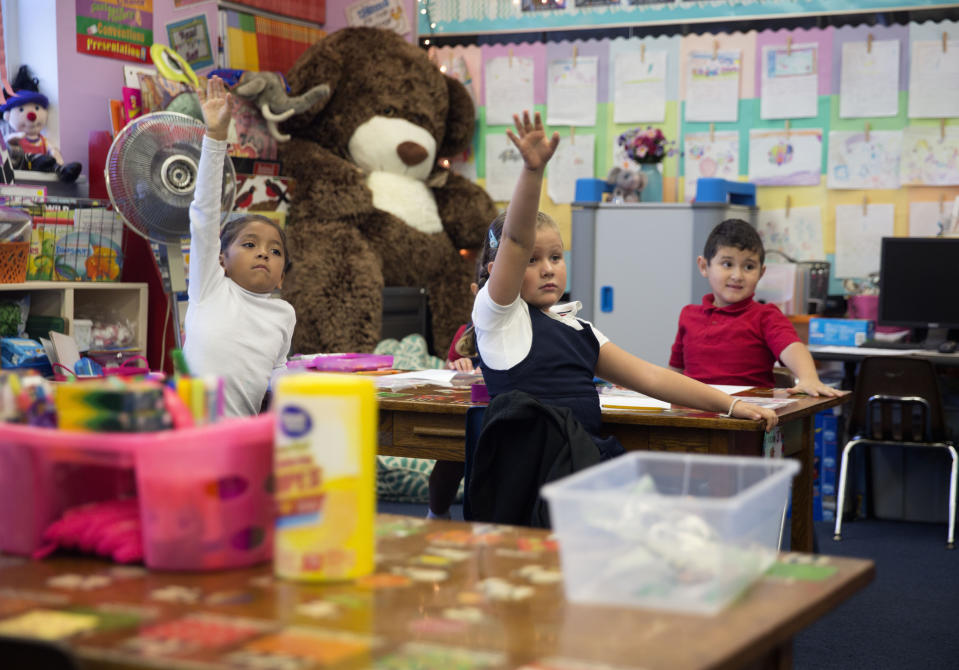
426	10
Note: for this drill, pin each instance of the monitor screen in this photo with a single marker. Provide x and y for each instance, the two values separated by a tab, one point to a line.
919	282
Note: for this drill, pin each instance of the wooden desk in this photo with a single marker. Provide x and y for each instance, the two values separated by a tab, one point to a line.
444	595
429	422
852	356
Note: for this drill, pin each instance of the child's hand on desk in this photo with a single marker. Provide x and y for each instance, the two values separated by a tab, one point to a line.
461	365
814	388
746	410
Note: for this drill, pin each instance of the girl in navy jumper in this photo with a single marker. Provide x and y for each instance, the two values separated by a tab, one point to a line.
525	343
529	343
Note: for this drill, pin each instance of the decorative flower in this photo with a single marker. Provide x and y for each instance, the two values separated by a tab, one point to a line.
646	146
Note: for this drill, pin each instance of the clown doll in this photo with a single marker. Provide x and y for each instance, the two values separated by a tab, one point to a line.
26	115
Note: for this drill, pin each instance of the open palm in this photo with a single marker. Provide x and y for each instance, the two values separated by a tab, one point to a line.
530	139
216	107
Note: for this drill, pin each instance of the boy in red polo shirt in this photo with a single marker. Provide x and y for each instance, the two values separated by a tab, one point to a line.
730	338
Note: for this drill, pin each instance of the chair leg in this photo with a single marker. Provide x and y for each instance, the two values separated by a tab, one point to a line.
782	522
950	540
841	496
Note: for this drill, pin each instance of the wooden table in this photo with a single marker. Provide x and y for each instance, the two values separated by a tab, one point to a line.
429	422
444	595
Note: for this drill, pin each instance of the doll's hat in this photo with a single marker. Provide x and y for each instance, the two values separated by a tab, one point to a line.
25	97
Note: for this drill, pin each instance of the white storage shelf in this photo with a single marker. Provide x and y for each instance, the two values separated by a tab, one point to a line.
84	300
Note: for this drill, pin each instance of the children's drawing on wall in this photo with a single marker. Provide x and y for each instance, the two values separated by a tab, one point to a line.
930	156
573	160
509	86
781	158
571	91
796	232
861	160
930	219
503	166
859	233
933	79
639	87
712	85
709	155
869	79
790	82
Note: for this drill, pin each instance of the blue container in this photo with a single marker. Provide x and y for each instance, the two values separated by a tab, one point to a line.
713	189
591	189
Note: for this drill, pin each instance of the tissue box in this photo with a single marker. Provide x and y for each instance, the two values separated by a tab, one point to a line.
840	332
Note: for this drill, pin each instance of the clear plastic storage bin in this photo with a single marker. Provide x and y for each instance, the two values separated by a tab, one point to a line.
205	493
685	532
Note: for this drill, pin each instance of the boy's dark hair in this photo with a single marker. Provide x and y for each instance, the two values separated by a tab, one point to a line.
734	233
237	222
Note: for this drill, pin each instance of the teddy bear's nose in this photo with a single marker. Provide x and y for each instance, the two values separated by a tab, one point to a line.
31	116
411	153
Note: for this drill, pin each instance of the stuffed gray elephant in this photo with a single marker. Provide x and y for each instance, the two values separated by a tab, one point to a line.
268	91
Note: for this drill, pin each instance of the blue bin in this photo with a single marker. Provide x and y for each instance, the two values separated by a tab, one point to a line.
591	189
713	189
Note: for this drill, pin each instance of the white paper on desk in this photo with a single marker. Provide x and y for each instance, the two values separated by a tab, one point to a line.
709	155
712	85
509	89
636	401
415	378
503	166
860	351
790	82
859	237
928	219
639	87
730	390
770	403
573	160
572	91
869	79
798	234
934	80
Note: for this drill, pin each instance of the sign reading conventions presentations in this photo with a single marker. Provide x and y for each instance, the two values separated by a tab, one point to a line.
120	29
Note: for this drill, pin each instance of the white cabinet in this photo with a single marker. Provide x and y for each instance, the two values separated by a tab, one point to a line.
84	300
634	268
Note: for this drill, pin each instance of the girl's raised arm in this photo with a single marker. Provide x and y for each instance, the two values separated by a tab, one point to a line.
216	108
519	230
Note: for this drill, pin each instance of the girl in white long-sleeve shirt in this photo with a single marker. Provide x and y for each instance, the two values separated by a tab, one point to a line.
235	328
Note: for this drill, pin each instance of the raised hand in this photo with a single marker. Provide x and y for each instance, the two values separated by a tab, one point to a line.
530	139
216	108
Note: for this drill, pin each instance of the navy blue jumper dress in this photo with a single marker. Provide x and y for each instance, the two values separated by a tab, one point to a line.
558	370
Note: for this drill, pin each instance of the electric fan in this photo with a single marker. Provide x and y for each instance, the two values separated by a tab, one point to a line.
151	171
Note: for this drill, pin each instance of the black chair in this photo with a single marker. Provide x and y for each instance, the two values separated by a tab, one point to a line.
897	402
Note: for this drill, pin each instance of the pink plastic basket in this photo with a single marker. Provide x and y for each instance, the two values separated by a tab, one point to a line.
205	493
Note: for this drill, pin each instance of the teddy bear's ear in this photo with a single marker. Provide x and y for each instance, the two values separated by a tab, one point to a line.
460	120
322	63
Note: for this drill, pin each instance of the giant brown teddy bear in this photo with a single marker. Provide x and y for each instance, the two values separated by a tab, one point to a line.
371	206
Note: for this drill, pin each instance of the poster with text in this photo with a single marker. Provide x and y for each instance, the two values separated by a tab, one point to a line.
780	158
709	155
191	39
573	160
121	29
386	14
712	86
857	161
503	166
509	87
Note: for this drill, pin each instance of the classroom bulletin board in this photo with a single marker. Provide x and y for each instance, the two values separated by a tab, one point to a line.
830	182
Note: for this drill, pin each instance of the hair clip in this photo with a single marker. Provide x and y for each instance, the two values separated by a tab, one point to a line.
493	242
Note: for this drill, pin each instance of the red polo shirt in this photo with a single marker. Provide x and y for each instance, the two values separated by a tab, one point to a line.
737	344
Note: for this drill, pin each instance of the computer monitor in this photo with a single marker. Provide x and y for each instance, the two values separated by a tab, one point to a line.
919	284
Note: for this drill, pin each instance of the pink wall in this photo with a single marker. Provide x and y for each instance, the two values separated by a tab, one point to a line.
86	83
